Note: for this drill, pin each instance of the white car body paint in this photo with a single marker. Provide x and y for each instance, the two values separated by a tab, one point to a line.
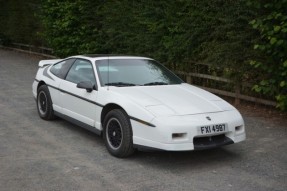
172	109
43	63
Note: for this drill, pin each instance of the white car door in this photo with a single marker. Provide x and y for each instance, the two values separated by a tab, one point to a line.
78	103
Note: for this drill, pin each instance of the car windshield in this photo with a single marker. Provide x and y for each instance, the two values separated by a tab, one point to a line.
134	72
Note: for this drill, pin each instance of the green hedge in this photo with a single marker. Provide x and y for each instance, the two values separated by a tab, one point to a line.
19	23
272	46
227	34
173	31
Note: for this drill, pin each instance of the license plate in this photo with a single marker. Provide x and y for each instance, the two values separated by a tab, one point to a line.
210	129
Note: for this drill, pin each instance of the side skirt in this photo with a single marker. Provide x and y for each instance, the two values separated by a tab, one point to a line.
78	123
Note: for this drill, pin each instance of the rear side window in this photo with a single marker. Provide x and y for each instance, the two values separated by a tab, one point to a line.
61	69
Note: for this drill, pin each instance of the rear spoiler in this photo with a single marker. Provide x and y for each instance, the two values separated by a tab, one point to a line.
44	63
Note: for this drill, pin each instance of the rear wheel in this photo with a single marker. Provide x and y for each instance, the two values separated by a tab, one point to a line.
118	134
44	103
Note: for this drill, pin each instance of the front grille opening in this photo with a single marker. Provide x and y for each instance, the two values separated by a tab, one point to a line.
211	141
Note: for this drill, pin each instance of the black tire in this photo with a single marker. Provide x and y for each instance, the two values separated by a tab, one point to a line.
118	134
44	103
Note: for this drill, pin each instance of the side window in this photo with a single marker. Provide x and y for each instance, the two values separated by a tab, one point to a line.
60	69
82	70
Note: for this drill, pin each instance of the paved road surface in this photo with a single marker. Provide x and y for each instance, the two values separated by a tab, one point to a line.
40	155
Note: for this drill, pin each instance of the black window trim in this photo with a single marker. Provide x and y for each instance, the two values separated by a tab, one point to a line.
96	85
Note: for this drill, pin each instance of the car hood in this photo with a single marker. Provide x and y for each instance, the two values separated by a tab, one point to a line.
181	99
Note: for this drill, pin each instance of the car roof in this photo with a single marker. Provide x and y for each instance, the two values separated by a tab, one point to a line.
102	55
108	56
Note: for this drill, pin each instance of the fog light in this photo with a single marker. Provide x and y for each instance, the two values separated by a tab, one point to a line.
176	136
238	128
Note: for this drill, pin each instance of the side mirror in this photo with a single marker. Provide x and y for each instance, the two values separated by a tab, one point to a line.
86	85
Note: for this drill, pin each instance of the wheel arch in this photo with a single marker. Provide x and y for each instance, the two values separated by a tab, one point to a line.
125	147
48	113
40	84
107	108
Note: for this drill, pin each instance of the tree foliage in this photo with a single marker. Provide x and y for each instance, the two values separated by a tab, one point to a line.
72	27
18	21
173	31
224	33
272	46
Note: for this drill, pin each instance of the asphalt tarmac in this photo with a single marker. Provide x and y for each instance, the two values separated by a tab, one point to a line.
57	155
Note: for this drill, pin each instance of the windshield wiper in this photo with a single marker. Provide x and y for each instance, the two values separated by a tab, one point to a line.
120	84
155	83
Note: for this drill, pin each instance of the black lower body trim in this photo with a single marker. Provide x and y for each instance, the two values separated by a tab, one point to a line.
146	148
201	143
79	123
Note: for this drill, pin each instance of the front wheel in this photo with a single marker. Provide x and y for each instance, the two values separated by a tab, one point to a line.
44	103
118	134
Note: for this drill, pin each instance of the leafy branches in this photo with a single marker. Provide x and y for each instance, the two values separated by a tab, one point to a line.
217	32
272	25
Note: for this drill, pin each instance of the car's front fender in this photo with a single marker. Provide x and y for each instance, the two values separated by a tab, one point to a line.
134	110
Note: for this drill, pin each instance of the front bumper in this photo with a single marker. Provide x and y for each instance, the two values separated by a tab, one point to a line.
161	137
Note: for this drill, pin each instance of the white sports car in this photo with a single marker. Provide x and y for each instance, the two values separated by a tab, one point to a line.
134	102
